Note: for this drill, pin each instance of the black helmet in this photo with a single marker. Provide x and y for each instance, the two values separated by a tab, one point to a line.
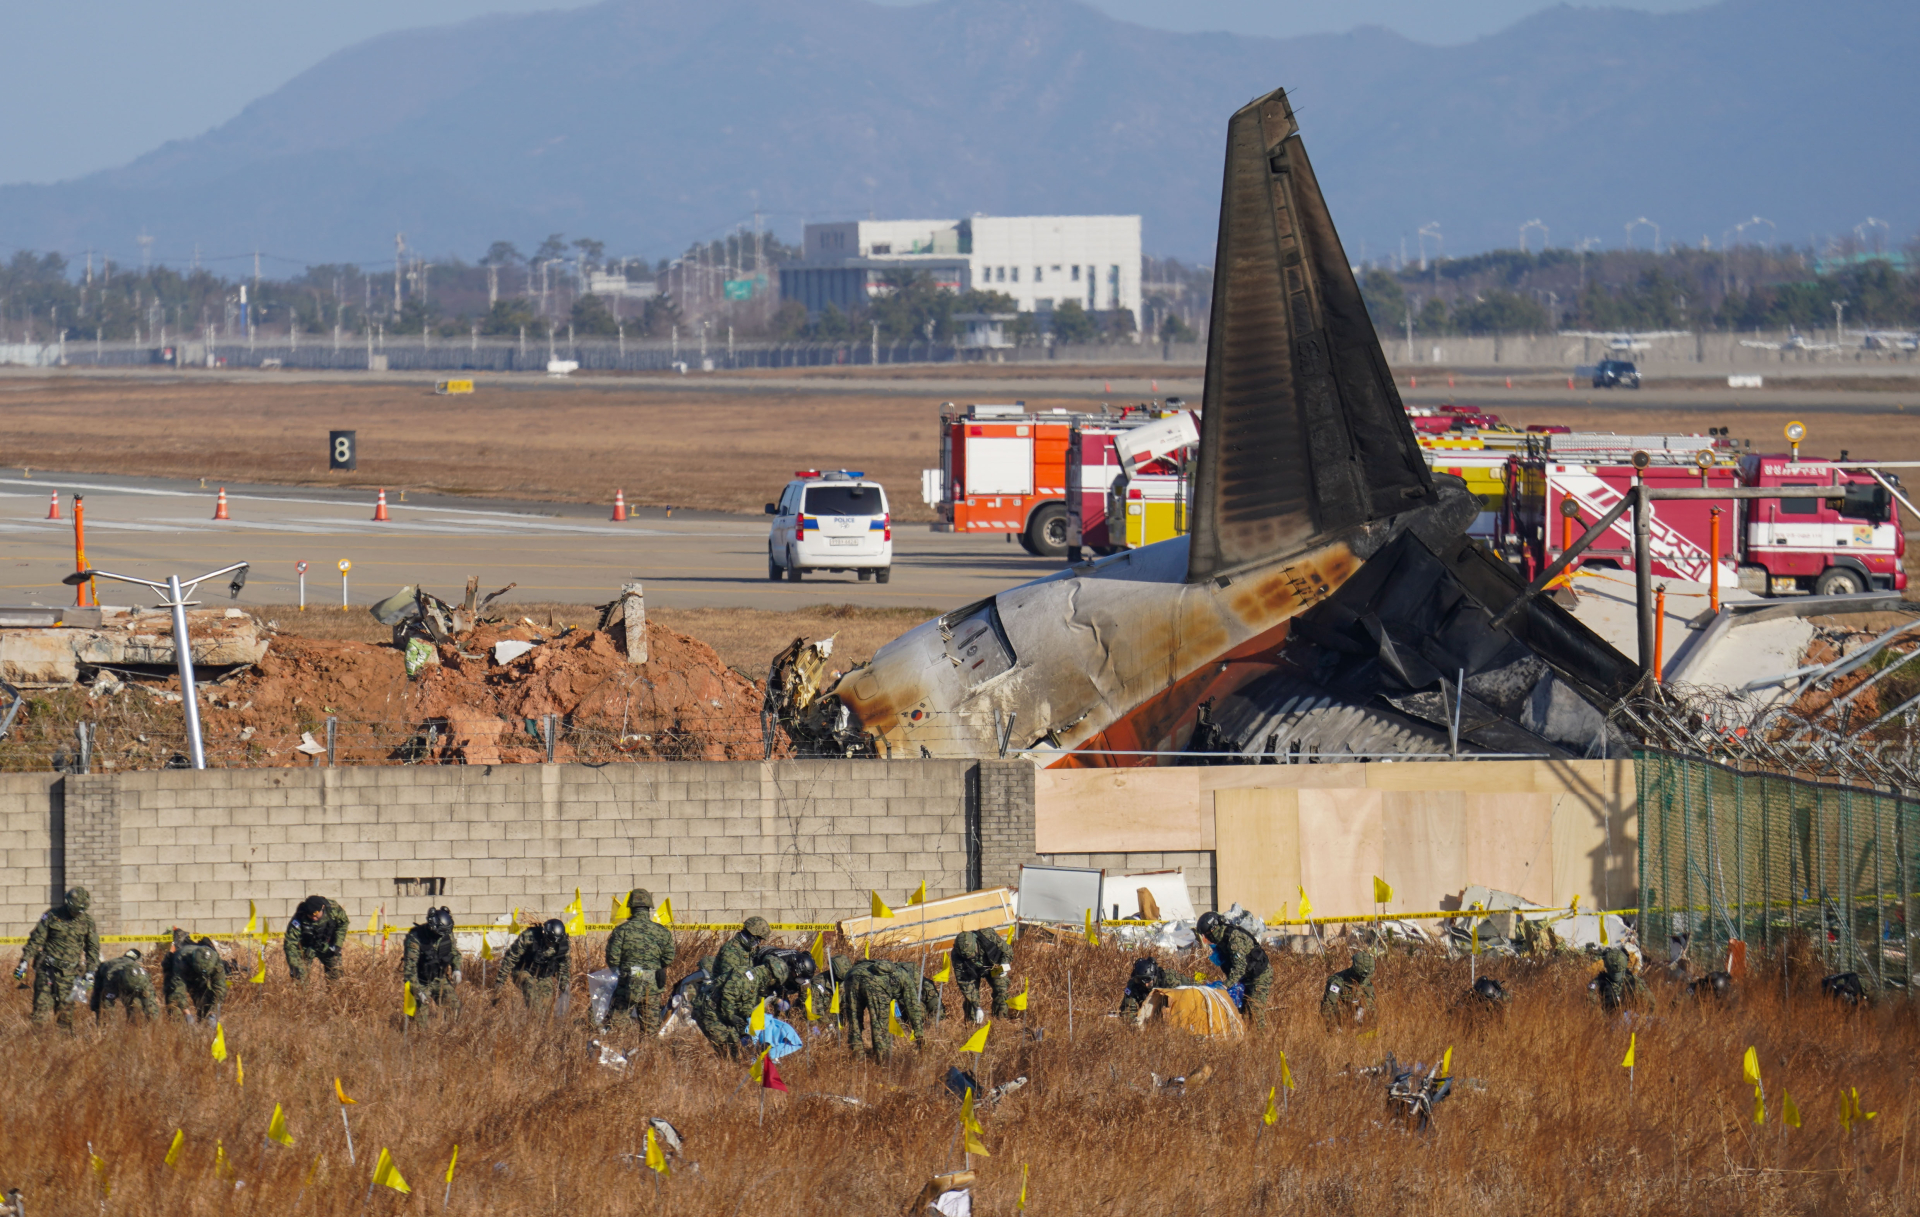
1211	926
1144	970
440	920
800	967
1489	989
553	932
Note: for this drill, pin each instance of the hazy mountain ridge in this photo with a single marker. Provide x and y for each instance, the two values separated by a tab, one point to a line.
649	123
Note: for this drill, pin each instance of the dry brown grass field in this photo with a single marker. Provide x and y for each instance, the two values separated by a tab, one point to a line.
1540	1121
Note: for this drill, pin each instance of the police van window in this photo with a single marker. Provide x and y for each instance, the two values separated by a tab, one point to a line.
1800	507
845	501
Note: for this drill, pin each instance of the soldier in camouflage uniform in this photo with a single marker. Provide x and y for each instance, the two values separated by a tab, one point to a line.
737	955
124	980
639	951
1147	976
64	947
1538	940
1349	989
539	962
431	963
722	1007
874	987
1616	986
193	977
980	955
318	931
1242	961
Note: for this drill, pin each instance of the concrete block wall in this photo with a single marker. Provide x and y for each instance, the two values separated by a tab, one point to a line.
1005	798
1198	865
31	812
791	840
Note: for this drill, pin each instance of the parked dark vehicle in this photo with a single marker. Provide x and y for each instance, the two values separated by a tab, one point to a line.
1616	374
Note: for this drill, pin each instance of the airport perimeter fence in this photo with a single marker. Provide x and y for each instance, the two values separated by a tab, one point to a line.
439	354
1775	861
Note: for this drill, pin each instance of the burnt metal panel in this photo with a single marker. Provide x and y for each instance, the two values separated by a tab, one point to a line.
1304	435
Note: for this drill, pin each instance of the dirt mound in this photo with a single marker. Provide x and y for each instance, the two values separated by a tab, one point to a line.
682	704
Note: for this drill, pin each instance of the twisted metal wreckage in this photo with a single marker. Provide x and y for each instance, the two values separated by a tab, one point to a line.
1327	596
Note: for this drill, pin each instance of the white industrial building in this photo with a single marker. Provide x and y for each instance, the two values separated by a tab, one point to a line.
1040	261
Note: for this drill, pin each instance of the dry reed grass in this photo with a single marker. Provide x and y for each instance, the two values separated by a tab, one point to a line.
1541	1121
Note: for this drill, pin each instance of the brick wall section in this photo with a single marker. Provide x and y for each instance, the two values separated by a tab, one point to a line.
92	844
31	815
1005	800
792	840
1197	864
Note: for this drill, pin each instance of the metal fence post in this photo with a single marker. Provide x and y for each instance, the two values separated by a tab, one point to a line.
546	731
84	734
333	727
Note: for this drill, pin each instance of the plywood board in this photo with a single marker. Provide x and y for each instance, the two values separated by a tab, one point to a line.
1424	842
1060	893
1341	849
937	921
1487	776
1278	777
1256	849
1510	844
1116	811
1591	777
1593	854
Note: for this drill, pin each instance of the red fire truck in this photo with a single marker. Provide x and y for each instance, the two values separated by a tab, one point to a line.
1003	469
1839	536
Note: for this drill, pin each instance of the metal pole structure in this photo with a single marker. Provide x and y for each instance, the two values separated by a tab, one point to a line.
1643	573
183	660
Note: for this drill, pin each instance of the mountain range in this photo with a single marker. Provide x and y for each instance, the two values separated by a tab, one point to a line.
653	123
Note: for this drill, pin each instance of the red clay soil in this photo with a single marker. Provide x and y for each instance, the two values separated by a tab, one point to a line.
682	704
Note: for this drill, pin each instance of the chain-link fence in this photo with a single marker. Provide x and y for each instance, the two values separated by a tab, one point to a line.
1729	853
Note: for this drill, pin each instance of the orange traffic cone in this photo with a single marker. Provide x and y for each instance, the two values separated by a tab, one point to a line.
1509	382
1569	382
1155	384
53	508
619	506
1413	382
220	505
1449	380
380	507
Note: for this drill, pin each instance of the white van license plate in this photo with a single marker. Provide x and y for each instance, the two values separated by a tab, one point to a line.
843	540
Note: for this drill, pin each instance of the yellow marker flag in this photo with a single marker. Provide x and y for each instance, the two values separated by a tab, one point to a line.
1759	1105
1306	906
619	912
259	976
576	916
968	1120
759	1070
1382	891
1750	1067
386	1174
486	948
945	974
977	1042
1603	929
1789	1111
341	1091
454	1160
833	1007
513	924
239	1070
1573	906
880	908
253	920
656	1157
179	1143
99	1165
1446	1062
1093	934
893	1019
919	895
221	1166
973	1144
1200	978
373	922
811	1016
1020	1002
277	1127
1632	1040
219	1042
757	1021
1286	1072
1272	1113
1020	1205
663	915
818	952
1850	1109
408	1006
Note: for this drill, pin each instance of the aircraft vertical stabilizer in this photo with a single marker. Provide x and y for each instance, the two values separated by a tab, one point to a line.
1304	434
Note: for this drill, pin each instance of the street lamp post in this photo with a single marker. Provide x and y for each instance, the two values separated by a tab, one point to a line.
176	600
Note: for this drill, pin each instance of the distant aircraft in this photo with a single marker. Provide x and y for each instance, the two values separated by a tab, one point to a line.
1626	340
1796	341
1890	340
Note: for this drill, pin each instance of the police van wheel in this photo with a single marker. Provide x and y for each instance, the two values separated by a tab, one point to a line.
883	574
865	574
793	574
773	569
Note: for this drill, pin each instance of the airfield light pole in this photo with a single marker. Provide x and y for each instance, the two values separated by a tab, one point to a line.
1839	312
1650	224
176	599
1529	226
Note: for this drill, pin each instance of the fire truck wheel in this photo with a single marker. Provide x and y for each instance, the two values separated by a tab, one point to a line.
1839	581
1046	535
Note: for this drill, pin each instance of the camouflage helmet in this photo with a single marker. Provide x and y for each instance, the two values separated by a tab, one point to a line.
1615	961
840	965
1363	963
777	969
132	953
639	898
200	958
757	927
78	900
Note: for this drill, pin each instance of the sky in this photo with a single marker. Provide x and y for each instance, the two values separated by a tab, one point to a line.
121	77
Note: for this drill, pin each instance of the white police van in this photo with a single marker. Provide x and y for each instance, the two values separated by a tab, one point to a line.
830	522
